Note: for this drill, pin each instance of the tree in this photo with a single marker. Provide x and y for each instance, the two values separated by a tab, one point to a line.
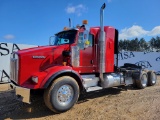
121	45
157	43
134	45
126	45
152	43
143	45
140	45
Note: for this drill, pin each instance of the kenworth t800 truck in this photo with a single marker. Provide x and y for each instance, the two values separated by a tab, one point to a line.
78	60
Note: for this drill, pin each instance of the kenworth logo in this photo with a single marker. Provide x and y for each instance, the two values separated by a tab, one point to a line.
38	57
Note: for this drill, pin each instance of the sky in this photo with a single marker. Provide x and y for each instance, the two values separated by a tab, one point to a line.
34	21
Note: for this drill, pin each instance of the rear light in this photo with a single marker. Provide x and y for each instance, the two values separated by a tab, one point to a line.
35	79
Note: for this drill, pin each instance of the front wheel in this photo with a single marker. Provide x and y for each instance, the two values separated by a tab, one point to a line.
62	94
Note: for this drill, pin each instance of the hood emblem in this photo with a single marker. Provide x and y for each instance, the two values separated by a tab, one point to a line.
38	57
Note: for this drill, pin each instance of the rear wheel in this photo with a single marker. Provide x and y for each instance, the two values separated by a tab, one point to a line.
62	94
142	81
152	78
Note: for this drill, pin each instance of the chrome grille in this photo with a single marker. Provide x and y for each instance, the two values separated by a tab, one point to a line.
14	67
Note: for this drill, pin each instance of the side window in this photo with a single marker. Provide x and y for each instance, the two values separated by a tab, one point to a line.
90	39
85	40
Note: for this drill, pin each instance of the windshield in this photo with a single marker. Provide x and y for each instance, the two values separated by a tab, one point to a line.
65	37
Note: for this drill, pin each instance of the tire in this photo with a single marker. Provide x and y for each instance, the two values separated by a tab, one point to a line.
135	76
62	94
152	78
134	84
142	82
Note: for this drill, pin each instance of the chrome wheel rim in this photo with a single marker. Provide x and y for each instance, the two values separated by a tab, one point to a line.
154	78
65	94
144	80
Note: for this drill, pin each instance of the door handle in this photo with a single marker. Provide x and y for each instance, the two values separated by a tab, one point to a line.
91	61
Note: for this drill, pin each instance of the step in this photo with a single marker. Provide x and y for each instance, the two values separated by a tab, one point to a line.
89	82
93	88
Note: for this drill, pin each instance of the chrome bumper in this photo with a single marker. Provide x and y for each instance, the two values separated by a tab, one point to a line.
23	94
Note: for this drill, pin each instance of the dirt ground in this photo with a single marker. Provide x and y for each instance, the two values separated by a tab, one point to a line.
110	104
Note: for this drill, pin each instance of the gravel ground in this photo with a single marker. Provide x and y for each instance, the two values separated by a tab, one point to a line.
125	103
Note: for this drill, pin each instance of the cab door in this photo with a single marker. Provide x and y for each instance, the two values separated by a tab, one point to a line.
86	52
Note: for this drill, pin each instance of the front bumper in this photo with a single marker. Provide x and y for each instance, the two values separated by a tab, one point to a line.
23	94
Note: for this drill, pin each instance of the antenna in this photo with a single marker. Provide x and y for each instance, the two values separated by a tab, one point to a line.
70	23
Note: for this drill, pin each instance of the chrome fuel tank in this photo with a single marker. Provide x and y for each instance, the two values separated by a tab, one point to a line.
113	79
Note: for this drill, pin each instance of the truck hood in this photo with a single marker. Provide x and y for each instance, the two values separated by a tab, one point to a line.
38	59
36	49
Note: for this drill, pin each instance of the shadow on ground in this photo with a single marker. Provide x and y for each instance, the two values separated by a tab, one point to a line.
19	110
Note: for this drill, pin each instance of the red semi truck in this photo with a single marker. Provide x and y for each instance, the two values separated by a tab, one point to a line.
79	60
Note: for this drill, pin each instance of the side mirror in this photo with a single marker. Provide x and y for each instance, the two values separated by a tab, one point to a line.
51	40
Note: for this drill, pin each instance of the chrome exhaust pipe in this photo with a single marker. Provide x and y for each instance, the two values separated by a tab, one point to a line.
102	43
101	16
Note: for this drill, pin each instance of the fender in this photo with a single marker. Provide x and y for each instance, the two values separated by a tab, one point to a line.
58	71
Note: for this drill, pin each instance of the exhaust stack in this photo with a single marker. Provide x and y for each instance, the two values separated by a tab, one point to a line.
102	43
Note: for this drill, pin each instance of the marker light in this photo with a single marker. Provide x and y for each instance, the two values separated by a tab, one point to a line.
65	28
64	63
85	22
